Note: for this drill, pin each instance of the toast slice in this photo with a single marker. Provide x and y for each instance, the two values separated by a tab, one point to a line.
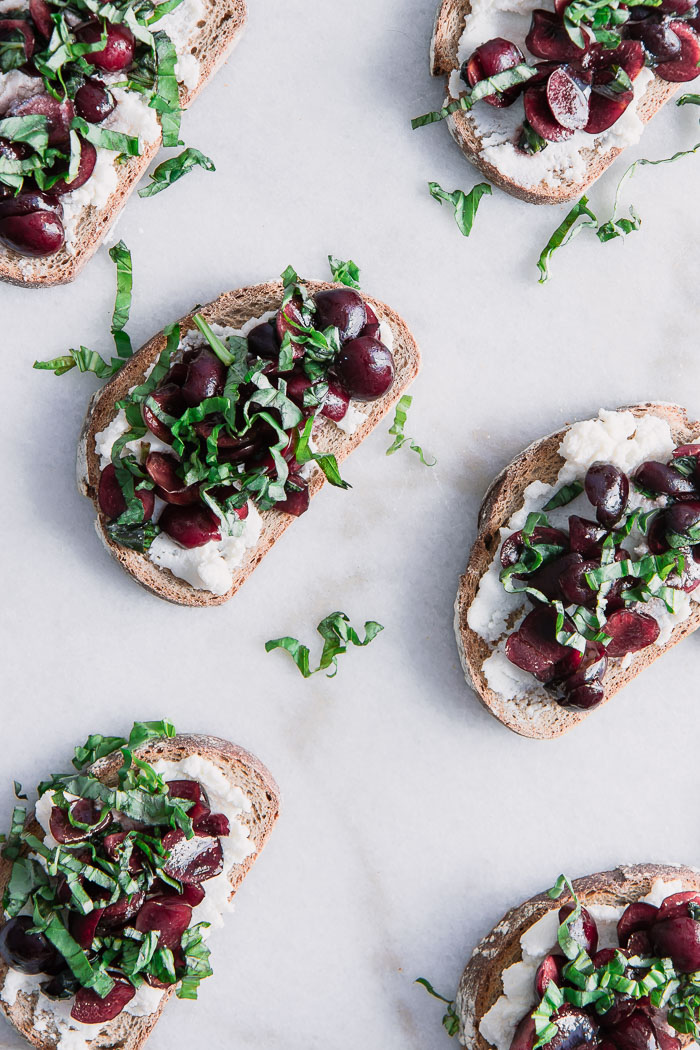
126	1031
216	36
481	983
541	461
233	309
449	26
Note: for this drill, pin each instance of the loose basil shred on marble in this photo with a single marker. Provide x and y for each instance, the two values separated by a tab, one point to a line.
465	205
596	986
169	171
450	1020
337	634
347	273
48	882
397	432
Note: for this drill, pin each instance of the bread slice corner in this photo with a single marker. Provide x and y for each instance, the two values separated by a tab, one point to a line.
232	309
541	462
449	26
245	771
219	32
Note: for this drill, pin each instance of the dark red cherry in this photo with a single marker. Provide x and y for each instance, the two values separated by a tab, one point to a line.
191	894
93	101
111	498
575	1029
113	847
680	518
59	115
13	29
582	929
169	916
162	467
29	201
585	697
36	235
638	916
656	533
336	402
123	909
495	56
573	584
27	952
373	327
84	811
534	647
541	118
215	824
83	927
264	342
206	376
524	1037
592	668
289	319
341	308
298	497
170	401
189	789
657	39
676	905
550	969
192	860
685	66
604	111
635	1032
89	1008
568	98
548	39
365	368
630	632
608	490
661	479
513	547
547	579
118	52
190	526
639	943
585	536
602	63
40	13
88	159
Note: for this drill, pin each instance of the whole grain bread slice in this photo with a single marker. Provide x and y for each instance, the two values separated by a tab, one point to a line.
541	461
242	769
217	34
481	983
449	26
232	309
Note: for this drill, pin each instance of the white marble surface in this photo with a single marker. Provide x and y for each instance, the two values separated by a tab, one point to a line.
411	818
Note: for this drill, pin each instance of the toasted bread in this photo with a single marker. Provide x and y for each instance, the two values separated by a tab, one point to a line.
449	25
218	33
234	309
126	1031
481	983
541	461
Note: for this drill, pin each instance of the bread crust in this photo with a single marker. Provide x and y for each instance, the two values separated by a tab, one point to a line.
127	1032
234	309
541	461
220	30
481	983
449	26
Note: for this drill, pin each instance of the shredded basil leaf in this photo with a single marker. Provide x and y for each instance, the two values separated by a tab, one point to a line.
450	1020
564	233
175	168
167	96
344	272
103	138
465	204
397	431
496	84
337	634
565	495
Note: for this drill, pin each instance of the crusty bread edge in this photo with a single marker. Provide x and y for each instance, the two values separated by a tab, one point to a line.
502	499
222	27
481	983
232	308
449	24
127	1032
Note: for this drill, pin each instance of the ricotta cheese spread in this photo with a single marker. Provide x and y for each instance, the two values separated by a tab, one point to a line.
613	437
211	566
224	797
499	1024
499	129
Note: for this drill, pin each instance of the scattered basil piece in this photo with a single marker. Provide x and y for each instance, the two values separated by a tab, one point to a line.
465	204
105	139
688	100
175	168
337	634
564	233
397	431
345	272
326	460
530	140
496	84
565	495
18	790
450	1020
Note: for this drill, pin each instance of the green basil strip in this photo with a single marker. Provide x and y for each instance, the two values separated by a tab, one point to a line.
33	130
77	960
162	10
167	96
326	460
26	877
450	1020
337	634
347	273
98	746
565	495
13	846
171	170
688	100
465	205
197	965
121	257
662	564
217	345
496	84
564	233
397	431
102	138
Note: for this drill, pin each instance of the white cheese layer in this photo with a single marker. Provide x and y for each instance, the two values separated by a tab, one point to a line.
499	1024
499	129
613	437
224	797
